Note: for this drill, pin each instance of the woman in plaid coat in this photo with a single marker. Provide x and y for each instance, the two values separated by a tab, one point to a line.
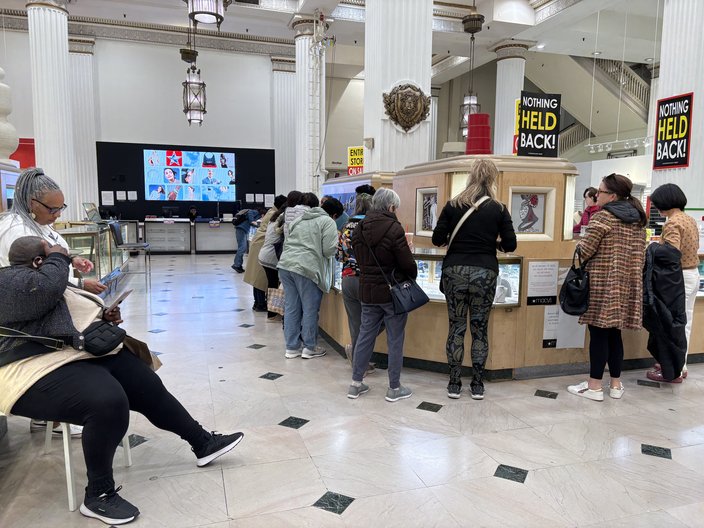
614	245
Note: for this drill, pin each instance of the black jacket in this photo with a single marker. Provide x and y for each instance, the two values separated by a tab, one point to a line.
664	313
386	237
476	241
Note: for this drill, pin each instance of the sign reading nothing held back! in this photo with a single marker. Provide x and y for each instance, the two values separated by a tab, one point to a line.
674	120
539	124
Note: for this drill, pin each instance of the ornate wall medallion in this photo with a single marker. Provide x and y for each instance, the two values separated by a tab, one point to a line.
407	106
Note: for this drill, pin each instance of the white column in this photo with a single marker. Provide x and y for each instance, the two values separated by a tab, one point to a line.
83	117
681	72
310	107
8	134
283	122
652	107
397	49
51	99
510	70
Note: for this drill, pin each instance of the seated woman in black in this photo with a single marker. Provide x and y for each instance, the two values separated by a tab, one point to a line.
62	382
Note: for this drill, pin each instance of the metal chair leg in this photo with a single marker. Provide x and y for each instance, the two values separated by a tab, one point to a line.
126	450
68	462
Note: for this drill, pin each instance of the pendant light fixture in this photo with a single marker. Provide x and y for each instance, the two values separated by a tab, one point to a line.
193	87
207	11
472	24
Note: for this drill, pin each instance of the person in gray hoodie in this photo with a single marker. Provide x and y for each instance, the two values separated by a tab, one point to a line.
305	270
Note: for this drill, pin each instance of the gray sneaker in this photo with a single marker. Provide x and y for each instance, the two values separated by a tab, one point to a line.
353	392
316	352
401	393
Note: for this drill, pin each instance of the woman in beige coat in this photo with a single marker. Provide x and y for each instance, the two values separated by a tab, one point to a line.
254	275
614	246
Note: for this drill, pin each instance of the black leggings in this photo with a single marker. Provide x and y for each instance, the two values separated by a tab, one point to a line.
99	394
605	345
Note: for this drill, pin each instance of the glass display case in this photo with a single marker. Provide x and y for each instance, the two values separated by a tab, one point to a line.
93	241
429	262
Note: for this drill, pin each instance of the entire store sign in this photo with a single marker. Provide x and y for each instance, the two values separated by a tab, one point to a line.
355	160
539	124
674	125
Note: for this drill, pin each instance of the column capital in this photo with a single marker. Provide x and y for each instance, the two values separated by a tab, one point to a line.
303	24
654	69
283	64
512	49
80	45
59	5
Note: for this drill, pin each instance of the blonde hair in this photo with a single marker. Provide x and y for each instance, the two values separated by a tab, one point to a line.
480	182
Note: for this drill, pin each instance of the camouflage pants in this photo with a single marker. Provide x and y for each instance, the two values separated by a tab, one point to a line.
468	289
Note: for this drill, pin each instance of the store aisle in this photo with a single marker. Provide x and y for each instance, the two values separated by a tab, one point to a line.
312	457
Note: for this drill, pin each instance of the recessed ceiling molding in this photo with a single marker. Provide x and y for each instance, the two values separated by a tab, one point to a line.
551	8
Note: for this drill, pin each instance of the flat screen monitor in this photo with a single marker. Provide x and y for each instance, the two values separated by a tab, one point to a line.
189	175
92	212
169	211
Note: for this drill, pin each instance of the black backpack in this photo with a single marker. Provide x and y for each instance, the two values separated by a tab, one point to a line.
240	217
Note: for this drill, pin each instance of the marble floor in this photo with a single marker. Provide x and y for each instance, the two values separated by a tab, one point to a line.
312	457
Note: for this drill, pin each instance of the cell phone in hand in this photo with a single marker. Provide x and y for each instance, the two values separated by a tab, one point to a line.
118	300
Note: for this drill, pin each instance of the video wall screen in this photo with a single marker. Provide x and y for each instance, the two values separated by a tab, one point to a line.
189	175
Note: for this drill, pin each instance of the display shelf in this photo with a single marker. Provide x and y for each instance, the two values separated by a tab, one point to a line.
93	242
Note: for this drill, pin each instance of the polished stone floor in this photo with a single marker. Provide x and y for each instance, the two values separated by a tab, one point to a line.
311	457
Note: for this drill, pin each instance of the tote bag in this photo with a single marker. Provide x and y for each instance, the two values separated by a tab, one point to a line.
574	294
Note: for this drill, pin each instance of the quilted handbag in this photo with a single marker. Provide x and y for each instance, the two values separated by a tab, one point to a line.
102	337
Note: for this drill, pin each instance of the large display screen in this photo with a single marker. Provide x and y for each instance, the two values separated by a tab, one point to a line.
189	175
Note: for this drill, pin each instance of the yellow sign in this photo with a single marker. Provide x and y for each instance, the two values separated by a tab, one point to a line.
355	160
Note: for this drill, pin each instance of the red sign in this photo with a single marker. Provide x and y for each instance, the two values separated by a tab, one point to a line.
351	171
173	158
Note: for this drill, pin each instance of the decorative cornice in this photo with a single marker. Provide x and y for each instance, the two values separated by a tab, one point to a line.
550	8
160	34
81	45
446	64
283	64
512	49
59	5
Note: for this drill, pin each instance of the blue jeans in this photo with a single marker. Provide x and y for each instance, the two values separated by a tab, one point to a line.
241	235
301	309
372	317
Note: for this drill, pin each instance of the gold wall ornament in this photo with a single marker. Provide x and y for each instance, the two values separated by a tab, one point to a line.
407	106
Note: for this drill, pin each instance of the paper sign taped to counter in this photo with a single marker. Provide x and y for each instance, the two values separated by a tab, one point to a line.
542	283
107	198
561	330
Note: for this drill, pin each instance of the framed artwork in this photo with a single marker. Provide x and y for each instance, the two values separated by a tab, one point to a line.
426	210
533	212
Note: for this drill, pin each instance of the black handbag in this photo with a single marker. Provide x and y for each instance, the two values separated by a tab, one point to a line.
574	294
406	296
102	337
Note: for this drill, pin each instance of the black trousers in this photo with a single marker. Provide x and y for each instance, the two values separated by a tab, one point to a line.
605	346
99	394
272	277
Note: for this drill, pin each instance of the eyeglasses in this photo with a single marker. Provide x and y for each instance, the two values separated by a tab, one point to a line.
52	210
599	191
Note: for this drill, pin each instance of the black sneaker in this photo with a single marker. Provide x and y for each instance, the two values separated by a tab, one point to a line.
454	390
477	390
109	508
217	446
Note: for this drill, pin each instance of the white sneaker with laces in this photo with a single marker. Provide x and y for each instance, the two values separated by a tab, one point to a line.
290	354
616	392
582	389
316	352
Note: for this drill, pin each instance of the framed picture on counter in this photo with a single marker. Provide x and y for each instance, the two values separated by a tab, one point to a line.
533	212
426	210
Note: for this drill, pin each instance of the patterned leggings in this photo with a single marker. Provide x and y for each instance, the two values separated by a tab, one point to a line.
468	289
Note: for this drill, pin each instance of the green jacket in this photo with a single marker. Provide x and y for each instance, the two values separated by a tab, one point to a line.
310	247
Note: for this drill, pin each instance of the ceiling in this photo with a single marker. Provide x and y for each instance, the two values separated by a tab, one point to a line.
619	29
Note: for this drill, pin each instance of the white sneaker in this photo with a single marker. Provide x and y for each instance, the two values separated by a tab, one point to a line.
616	393
582	389
290	354
316	352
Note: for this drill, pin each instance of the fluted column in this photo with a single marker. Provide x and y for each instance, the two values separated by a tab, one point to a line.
83	117
510	70
283	122
397	49
652	107
681	72
8	134
310	107
51	100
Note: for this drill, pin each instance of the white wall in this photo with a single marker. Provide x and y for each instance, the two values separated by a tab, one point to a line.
140	96
345	111
14	59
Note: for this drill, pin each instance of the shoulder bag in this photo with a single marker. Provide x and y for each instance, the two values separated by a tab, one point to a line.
574	294
406	296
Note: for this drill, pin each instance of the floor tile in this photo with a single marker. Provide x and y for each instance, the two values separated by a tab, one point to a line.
333	502
511	473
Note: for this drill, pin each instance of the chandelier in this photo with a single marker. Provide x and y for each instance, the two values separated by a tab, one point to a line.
193	86
207	11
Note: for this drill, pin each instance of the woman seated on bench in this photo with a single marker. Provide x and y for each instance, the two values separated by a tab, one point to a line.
60	381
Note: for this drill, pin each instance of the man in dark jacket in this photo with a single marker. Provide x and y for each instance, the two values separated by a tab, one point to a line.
382	253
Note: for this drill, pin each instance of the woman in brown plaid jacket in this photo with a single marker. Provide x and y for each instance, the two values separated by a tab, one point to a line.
614	245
